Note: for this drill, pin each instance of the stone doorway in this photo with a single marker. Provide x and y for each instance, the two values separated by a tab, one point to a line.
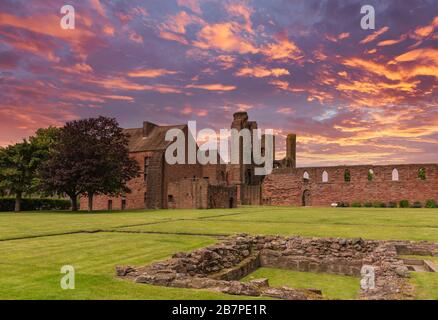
307	198
231	203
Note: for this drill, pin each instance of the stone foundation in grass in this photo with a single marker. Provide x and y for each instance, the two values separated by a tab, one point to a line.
219	267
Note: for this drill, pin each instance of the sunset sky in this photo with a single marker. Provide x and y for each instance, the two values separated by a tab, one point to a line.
303	66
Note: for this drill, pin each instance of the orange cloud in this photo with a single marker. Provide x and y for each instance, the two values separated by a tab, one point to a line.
122	84
340	36
319	55
426	62
202	113
226	62
243	107
282	49
37	47
135	37
343	35
98	7
284	85
391	42
150	73
186	110
244	11
374	35
78	68
224	37
376	87
108	30
423	32
47	25
116	97
285	110
173	37
211	87
261	72
373	67
178	22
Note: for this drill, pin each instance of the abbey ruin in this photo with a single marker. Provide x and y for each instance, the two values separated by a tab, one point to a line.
227	185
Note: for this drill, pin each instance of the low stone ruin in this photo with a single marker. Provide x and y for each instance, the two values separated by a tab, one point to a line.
219	267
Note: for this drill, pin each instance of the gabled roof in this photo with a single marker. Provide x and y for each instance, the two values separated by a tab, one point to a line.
155	141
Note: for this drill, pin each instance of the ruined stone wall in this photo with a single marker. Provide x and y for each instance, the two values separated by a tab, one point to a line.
250	194
188	194
216	173
200	194
180	172
219	267
222	196
287	186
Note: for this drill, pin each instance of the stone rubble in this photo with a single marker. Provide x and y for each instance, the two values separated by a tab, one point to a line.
219	267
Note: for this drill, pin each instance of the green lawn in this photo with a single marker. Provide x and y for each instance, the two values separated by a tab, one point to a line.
426	284
332	286
30	269
34	246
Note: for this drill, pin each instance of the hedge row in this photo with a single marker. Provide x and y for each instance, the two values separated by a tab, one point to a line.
8	204
401	204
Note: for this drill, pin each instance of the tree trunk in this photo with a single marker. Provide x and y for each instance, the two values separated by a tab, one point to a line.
18	202
74	203
90	201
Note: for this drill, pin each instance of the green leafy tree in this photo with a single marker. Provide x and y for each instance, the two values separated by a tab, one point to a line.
19	163
17	170
90	158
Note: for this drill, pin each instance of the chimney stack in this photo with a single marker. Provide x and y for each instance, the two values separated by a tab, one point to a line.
148	127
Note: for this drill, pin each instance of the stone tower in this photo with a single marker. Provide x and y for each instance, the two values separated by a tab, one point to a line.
242	175
291	150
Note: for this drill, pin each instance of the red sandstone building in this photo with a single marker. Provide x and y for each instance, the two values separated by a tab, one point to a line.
223	186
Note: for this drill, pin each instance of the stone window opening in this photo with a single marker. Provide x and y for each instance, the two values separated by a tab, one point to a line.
248	176
422	174
123	204
370	175
110	205
347	175
395	175
325	177
306	176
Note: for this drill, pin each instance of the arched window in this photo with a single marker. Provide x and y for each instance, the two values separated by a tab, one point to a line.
325	176
306	176
422	174
370	175
395	175
347	176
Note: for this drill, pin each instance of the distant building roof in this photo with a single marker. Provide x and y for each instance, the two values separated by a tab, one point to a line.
154	140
